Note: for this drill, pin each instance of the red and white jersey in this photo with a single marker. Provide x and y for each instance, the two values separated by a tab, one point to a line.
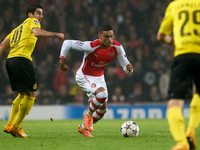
95	58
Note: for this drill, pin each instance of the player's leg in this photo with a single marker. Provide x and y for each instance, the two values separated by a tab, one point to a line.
14	112
194	119
99	113
180	82
24	109
11	67
25	80
96	90
95	103
176	122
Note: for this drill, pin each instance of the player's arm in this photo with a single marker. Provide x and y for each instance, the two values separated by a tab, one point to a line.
129	67
126	65
167	39
43	33
166	27
75	45
63	66
4	45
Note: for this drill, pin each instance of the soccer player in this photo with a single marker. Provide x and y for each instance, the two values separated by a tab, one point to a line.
19	66
182	18
90	76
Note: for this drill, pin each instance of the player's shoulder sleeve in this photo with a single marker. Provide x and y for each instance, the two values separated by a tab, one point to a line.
95	43
75	45
85	46
116	43
167	22
118	47
34	23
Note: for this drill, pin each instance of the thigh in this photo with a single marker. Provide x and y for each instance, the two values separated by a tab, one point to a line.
195	71
180	79
21	74
90	84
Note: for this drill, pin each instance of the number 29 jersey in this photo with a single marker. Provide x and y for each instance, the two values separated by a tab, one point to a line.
182	17
22	39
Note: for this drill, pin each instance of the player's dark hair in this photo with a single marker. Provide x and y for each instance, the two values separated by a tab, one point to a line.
32	8
105	28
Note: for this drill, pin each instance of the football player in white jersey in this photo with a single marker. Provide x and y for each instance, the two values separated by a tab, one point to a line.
90	78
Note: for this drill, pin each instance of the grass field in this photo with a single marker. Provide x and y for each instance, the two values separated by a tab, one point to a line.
63	135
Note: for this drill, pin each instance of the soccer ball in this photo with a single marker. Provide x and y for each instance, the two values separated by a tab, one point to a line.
129	129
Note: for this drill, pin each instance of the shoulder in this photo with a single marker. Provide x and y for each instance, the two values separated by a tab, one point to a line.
117	46
172	5
115	43
95	43
32	21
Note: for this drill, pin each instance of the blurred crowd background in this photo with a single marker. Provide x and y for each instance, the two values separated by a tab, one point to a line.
135	24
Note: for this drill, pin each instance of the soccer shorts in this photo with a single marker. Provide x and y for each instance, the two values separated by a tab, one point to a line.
21	74
185	71
90	84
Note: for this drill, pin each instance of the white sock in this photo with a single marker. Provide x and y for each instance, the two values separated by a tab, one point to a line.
89	113
83	126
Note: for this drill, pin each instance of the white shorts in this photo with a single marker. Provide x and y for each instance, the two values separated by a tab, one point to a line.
90	84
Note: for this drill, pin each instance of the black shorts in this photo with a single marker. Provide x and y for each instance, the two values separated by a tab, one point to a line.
184	72
21	74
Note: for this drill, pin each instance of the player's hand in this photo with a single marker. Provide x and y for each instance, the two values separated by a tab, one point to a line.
60	36
63	66
129	67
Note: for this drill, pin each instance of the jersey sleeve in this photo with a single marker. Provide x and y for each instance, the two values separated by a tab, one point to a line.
34	23
75	45
123	60
8	36
167	22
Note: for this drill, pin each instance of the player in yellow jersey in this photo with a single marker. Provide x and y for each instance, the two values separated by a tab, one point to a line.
182	18
19	66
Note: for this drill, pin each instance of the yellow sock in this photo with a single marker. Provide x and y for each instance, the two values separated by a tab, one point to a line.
177	125
14	109
24	108
194	113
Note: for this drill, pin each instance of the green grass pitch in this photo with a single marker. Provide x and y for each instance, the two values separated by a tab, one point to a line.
63	135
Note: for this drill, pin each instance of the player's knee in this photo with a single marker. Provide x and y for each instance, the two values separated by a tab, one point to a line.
102	95
31	94
22	95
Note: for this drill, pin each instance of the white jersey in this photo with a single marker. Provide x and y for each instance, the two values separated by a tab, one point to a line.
95	58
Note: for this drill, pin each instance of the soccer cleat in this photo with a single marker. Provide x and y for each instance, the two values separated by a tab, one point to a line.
17	133
181	147
6	128
88	122
86	133
191	140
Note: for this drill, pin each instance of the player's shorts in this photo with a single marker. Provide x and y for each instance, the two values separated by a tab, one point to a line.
90	84
21	74
185	69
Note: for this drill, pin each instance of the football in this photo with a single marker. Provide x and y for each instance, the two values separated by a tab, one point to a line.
129	129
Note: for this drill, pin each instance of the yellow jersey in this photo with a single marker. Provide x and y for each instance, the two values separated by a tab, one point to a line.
182	17
22	39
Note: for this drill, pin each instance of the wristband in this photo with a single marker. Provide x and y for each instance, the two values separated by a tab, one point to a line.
61	57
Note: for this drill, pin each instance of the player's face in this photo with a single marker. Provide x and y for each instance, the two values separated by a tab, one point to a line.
106	38
38	14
